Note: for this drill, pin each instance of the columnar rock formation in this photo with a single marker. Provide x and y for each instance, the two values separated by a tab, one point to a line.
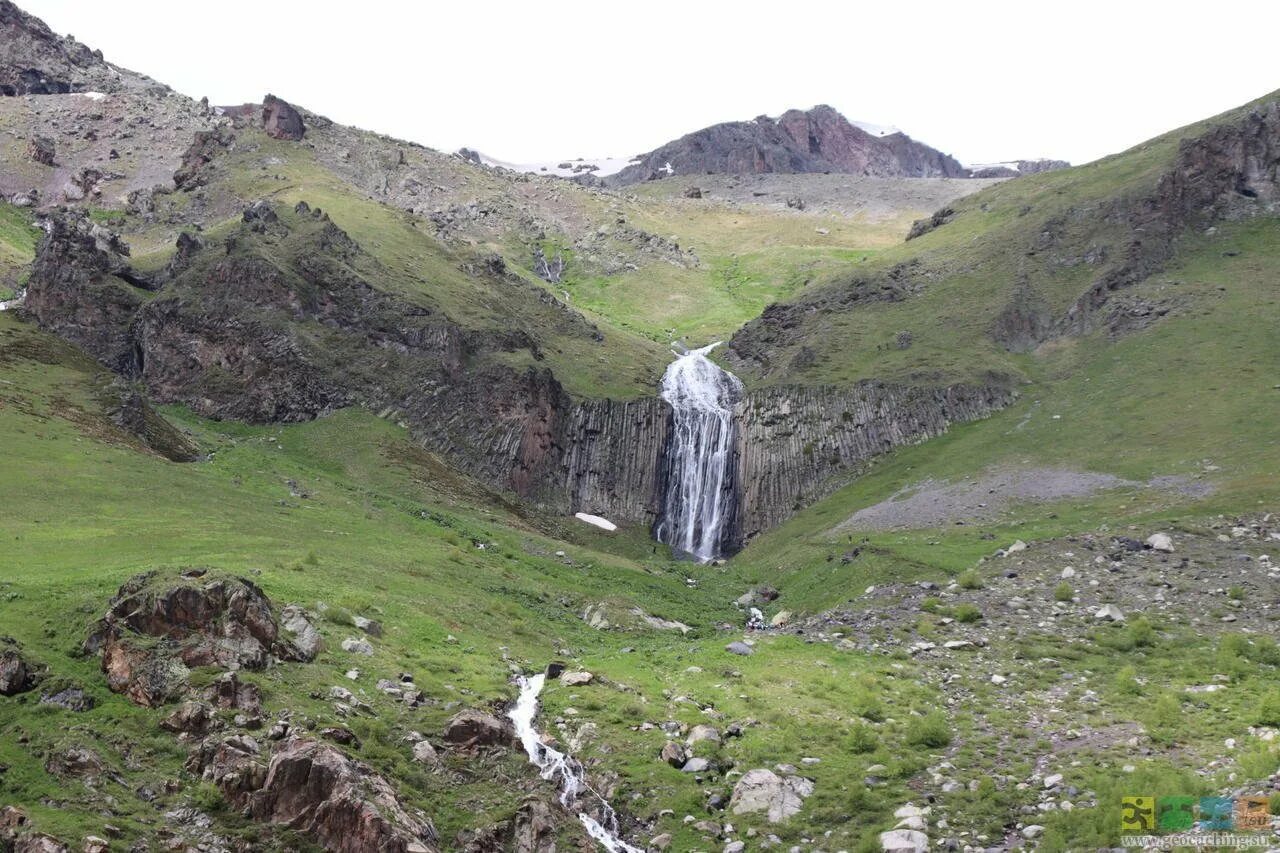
798	444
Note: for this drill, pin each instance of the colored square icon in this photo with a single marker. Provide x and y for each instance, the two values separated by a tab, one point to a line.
1253	813
1217	813
1137	814
1175	814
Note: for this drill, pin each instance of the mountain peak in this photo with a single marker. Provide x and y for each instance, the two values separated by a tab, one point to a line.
34	60
819	139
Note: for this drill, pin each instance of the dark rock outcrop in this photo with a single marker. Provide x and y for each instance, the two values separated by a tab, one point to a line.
230	693
1018	168
36	61
312	787
233	334
72	699
129	409
532	830
85	289
158	627
41	149
280	120
16	674
471	728
816	140
1230	172
798	444
198	159
923	226
191	719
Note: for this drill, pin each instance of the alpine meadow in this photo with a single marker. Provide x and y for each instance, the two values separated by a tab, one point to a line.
791	486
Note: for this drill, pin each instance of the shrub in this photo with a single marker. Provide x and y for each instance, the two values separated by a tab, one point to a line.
868	706
930	605
1164	719
1269	710
1126	682
1142	633
861	739
967	613
931	730
208	798
970	580
1265	651
1063	592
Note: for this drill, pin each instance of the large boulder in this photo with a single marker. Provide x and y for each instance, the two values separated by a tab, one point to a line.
190	720
472	728
763	790
230	693
304	638
16	675
158	626
41	150
904	841
280	120
312	787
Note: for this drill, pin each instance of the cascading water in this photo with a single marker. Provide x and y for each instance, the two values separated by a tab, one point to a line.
14	302
700	497
557	765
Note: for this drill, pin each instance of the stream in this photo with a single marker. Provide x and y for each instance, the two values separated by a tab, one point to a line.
555	765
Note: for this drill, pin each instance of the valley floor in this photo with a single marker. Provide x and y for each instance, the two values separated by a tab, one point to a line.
1000	705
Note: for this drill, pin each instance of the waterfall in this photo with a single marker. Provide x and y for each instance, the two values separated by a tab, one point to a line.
700	503
555	764
14	302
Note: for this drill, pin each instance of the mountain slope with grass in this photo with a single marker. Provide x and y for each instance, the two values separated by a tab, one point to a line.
296	419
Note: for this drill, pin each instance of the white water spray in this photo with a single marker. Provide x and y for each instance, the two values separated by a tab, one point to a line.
699	499
9	304
554	764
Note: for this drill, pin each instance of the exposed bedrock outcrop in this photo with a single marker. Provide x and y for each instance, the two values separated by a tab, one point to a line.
158	627
796	442
1230	172
230	331
816	140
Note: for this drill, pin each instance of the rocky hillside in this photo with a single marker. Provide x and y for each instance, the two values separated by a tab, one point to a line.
36	61
298	420
816	140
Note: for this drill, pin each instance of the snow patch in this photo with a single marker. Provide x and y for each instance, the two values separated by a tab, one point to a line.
976	167
602	523
93	96
876	129
600	167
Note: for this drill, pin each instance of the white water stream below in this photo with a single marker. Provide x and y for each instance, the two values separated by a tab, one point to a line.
699	499
556	765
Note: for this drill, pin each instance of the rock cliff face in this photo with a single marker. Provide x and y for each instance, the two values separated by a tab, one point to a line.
816	140
1230	172
36	61
796	442
233	335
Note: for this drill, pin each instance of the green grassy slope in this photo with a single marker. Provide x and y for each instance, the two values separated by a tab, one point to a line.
1192	397
347	513
1047	233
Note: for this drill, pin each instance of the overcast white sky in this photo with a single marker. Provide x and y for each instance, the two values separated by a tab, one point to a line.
531	81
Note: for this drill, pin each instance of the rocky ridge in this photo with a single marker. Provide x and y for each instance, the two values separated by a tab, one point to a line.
816	140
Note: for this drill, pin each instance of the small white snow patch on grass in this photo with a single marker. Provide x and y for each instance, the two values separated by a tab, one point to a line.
602	523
